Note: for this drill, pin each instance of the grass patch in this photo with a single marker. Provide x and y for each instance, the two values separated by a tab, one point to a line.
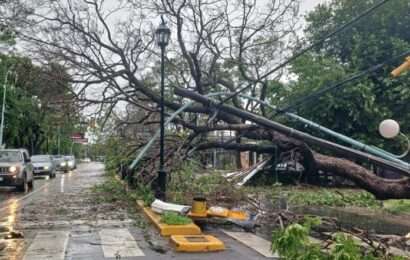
315	196
172	218
334	198
397	206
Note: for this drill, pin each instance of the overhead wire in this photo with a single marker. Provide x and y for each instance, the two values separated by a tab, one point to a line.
341	83
310	47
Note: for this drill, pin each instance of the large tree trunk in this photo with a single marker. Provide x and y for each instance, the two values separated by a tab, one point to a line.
382	188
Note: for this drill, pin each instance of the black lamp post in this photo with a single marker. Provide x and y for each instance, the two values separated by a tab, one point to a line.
162	35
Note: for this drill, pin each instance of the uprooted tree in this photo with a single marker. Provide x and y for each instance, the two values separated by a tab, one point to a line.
216	46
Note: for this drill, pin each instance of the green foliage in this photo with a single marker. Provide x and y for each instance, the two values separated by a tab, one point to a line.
345	248
111	190
116	152
397	206
172	218
185	183
333	198
34	119
292	243
357	108
145	194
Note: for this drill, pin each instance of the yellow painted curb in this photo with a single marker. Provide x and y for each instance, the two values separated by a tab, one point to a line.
169	230
197	243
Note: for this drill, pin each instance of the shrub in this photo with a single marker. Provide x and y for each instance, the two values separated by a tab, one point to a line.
172	218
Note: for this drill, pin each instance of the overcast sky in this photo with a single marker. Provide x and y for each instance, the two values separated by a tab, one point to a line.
308	5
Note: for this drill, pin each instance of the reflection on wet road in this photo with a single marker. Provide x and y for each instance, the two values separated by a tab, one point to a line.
8	194
11	205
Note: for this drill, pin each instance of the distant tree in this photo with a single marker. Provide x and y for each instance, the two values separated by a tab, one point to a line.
39	105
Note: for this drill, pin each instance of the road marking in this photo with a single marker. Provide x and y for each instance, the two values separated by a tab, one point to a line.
48	245
119	242
250	240
62	184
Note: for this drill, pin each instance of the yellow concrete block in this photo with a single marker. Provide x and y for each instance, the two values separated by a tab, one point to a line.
195	215
198	243
238	215
169	230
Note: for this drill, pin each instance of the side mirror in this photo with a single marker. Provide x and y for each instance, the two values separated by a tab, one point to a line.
27	160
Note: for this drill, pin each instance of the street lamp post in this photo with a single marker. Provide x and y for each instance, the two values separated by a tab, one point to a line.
162	37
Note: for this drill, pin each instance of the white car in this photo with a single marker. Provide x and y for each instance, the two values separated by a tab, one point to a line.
87	160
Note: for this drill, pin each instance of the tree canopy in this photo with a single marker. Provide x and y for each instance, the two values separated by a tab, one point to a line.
358	107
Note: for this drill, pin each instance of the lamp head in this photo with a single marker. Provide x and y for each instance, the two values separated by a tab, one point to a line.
162	34
389	128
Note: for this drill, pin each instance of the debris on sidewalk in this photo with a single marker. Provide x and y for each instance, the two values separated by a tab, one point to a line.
3	245
241	177
160	207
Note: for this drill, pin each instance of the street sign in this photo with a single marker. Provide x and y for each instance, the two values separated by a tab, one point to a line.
75	136
80	140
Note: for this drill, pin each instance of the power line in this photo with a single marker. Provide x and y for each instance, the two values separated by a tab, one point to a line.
310	47
339	84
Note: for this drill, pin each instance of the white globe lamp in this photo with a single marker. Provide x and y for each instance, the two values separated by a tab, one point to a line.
389	128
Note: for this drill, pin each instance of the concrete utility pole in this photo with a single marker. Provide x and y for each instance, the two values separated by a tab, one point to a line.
58	141
2	146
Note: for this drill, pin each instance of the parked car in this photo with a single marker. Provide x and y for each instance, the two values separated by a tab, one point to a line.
71	162
100	158
16	169
43	165
86	160
61	163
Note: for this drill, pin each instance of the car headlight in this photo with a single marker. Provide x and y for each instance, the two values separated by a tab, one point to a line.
63	164
70	163
46	167
13	169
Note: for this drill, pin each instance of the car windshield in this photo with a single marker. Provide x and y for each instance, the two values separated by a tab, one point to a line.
10	156
40	158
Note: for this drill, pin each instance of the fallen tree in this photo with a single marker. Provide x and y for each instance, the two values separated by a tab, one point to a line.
382	188
213	52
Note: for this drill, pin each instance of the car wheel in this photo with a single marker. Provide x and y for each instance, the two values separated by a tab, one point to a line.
23	187
31	184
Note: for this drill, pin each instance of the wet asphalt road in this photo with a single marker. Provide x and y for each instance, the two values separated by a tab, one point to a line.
66	207
10	194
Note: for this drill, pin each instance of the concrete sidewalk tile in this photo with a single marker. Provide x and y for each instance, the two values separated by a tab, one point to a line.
258	244
48	245
119	242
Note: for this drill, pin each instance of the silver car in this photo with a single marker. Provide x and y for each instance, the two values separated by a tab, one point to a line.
16	169
61	163
71	163
43	165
